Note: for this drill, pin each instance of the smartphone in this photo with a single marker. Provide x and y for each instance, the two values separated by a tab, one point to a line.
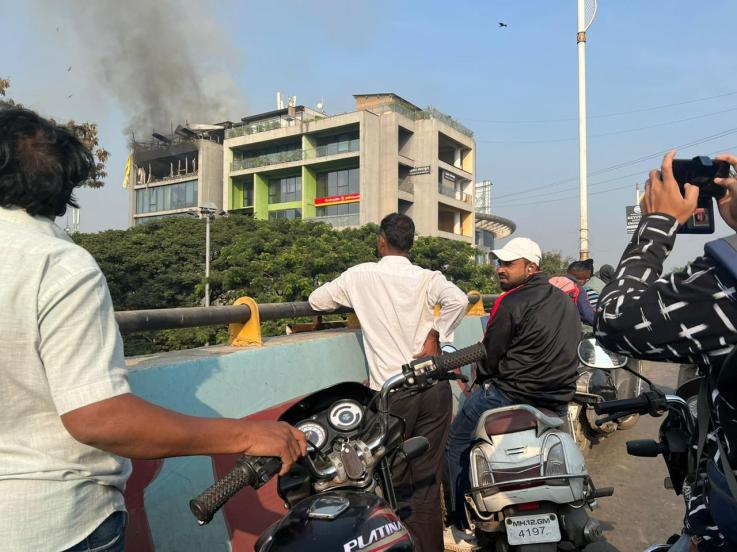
701	171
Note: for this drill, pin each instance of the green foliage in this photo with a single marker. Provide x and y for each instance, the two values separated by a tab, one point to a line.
554	263
161	264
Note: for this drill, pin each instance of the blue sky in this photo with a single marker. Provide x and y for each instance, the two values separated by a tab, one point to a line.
515	87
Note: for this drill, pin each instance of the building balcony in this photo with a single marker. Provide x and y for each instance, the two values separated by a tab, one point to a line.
451	191
407	185
340	221
326	150
172	178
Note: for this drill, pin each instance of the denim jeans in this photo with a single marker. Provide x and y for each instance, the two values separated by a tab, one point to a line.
108	537
459	444
460	440
681	545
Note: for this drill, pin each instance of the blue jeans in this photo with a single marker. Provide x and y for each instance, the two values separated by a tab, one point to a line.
461	439
459	444
108	537
681	545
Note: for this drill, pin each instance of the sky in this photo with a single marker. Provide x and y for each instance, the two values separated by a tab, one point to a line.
660	74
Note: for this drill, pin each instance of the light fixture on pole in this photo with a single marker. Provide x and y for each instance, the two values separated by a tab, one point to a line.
586	14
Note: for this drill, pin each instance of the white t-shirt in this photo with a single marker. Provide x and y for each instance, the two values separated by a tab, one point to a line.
60	350
394	301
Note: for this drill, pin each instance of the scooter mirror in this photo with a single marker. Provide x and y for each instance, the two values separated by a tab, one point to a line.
594	355
448	349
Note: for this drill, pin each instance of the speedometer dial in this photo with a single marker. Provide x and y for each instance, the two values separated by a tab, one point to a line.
346	415
314	432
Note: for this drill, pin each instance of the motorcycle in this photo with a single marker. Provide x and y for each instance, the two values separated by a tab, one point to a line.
676	432
595	385
340	496
529	484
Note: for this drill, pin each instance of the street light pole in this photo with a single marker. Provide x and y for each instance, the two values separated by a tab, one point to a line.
584	21
207	259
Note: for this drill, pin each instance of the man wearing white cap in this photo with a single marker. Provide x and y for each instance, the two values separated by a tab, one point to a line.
531	340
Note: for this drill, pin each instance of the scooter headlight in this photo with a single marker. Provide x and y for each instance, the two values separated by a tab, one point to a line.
555	463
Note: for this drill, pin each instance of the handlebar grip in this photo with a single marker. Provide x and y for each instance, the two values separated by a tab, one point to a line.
639	405
467	355
248	471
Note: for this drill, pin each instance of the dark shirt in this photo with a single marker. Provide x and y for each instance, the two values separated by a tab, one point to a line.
585	310
688	316
531	342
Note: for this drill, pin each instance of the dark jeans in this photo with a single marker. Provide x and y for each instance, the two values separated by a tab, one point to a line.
108	537
460	440
417	483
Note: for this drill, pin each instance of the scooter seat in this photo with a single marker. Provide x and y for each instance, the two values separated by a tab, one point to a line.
521	417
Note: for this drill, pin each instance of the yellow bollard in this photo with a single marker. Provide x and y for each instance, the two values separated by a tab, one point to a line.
248	334
477	308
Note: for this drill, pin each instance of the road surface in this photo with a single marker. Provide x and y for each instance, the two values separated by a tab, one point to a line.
641	512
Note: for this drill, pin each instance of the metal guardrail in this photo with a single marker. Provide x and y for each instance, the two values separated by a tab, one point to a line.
190	317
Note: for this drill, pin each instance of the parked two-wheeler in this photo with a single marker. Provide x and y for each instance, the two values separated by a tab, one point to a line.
594	386
676	432
340	496
529	483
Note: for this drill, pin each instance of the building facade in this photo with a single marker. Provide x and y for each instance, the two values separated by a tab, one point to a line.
354	168
172	175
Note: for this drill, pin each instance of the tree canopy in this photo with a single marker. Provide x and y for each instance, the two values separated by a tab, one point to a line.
161	264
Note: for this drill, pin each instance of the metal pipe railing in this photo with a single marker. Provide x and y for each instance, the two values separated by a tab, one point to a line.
190	317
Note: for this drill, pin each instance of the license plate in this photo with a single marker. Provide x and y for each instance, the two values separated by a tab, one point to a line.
532	529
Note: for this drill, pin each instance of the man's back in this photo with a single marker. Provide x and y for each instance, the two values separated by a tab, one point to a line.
394	300
531	342
48	366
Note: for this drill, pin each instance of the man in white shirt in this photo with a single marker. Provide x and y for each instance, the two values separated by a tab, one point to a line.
68	420
394	301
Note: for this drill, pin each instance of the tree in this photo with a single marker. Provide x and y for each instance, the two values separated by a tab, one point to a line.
554	263
161	264
86	132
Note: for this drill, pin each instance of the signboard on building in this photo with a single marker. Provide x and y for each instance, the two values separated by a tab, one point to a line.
337	199
634	214
419	170
449	176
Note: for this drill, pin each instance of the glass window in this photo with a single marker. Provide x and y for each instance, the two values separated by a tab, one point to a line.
291	214
354	181
166	198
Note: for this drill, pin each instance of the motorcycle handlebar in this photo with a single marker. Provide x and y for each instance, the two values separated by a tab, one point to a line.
249	471
468	355
639	405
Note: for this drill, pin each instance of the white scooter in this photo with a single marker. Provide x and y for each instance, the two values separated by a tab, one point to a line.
529	482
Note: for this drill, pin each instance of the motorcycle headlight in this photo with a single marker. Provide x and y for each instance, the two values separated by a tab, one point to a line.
555	463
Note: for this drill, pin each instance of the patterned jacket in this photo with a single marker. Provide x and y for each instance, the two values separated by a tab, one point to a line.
688	316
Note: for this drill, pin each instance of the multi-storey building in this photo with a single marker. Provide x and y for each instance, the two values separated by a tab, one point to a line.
354	168
489	227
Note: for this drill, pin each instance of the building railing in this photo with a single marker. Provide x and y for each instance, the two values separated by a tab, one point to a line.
340	221
240	163
191	317
407	185
191	175
451	191
430	113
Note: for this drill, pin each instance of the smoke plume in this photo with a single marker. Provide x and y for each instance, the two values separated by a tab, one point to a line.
164	61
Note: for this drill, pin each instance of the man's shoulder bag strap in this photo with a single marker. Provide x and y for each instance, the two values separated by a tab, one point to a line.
704	421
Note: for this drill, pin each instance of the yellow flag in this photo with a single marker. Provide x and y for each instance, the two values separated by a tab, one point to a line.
127	171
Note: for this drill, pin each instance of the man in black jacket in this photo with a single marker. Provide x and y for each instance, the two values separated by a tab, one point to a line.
531	340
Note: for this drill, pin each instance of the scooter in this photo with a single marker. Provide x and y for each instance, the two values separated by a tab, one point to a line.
340	496
676	431
529	484
595	386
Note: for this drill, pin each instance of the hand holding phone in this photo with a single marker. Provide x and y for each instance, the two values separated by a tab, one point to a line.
701	172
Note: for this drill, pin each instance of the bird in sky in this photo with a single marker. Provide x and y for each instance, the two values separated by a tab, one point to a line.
503	24
69	68
69	96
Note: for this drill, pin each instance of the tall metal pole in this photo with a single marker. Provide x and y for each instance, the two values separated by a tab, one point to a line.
582	169
207	259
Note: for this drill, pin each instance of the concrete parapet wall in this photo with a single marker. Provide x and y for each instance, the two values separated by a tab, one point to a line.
233	382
